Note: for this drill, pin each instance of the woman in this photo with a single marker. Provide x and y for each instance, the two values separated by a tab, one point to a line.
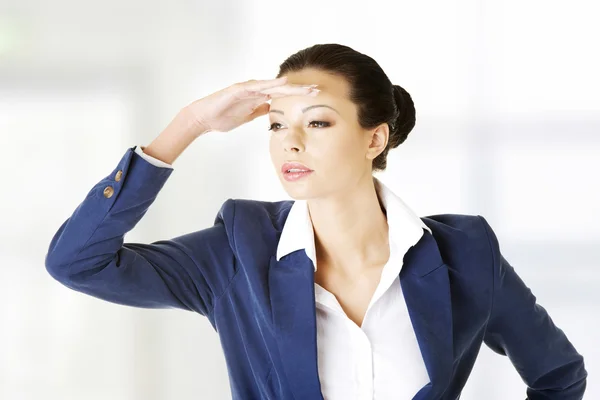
344	292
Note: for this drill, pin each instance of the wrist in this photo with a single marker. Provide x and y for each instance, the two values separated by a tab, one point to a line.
175	138
192	126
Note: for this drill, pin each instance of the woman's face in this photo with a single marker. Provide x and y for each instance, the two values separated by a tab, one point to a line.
322	133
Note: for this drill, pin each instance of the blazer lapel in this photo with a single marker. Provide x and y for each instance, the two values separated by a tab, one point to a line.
426	287
291	288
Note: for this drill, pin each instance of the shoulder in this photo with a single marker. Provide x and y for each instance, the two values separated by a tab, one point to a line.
464	238
465	223
246	211
253	227
459	226
249	220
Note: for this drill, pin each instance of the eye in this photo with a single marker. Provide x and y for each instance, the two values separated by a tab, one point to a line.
322	124
272	127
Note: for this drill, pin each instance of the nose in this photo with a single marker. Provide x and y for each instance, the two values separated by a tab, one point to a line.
293	143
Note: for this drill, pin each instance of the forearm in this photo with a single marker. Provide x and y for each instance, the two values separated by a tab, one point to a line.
94	233
522	329
175	138
574	377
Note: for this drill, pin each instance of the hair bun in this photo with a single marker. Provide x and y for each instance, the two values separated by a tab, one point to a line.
406	116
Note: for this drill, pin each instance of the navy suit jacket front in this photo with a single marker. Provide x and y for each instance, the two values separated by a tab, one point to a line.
459	289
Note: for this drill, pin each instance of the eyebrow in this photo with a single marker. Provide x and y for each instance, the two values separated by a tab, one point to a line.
306	109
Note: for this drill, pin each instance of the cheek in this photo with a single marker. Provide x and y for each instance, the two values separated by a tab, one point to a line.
340	146
274	149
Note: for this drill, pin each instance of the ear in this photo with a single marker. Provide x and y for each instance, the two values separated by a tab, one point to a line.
377	139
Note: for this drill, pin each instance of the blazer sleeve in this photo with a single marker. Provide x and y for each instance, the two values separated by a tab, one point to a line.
521	329
88	253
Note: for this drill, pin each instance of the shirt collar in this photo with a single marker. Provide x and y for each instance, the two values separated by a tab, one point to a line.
405	227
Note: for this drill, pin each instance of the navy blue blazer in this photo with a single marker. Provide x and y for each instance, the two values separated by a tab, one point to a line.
459	289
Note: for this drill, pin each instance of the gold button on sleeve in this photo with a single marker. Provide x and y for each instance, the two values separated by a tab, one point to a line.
118	175
108	192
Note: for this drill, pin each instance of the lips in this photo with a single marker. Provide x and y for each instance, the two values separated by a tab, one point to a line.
294	167
294	171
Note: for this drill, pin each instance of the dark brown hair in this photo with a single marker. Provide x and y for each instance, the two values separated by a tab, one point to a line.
377	99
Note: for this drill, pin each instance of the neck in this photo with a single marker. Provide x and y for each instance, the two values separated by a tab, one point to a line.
351	230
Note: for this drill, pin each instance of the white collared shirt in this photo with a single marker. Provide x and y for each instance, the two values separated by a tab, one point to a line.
380	360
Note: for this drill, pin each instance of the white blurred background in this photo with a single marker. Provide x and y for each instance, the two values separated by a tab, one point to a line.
508	126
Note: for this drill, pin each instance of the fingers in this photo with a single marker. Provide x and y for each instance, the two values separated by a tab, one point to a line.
278	85
277	92
313	92
268	89
254	96
290	90
262	109
257	86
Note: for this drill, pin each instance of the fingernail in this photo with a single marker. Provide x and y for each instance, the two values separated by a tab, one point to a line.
314	92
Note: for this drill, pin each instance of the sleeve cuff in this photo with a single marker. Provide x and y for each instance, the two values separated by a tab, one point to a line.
156	162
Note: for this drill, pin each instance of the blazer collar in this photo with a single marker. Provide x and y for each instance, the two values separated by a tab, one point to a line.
426	288
405	227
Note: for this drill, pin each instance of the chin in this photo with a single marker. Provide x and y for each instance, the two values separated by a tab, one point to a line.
300	190
297	194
